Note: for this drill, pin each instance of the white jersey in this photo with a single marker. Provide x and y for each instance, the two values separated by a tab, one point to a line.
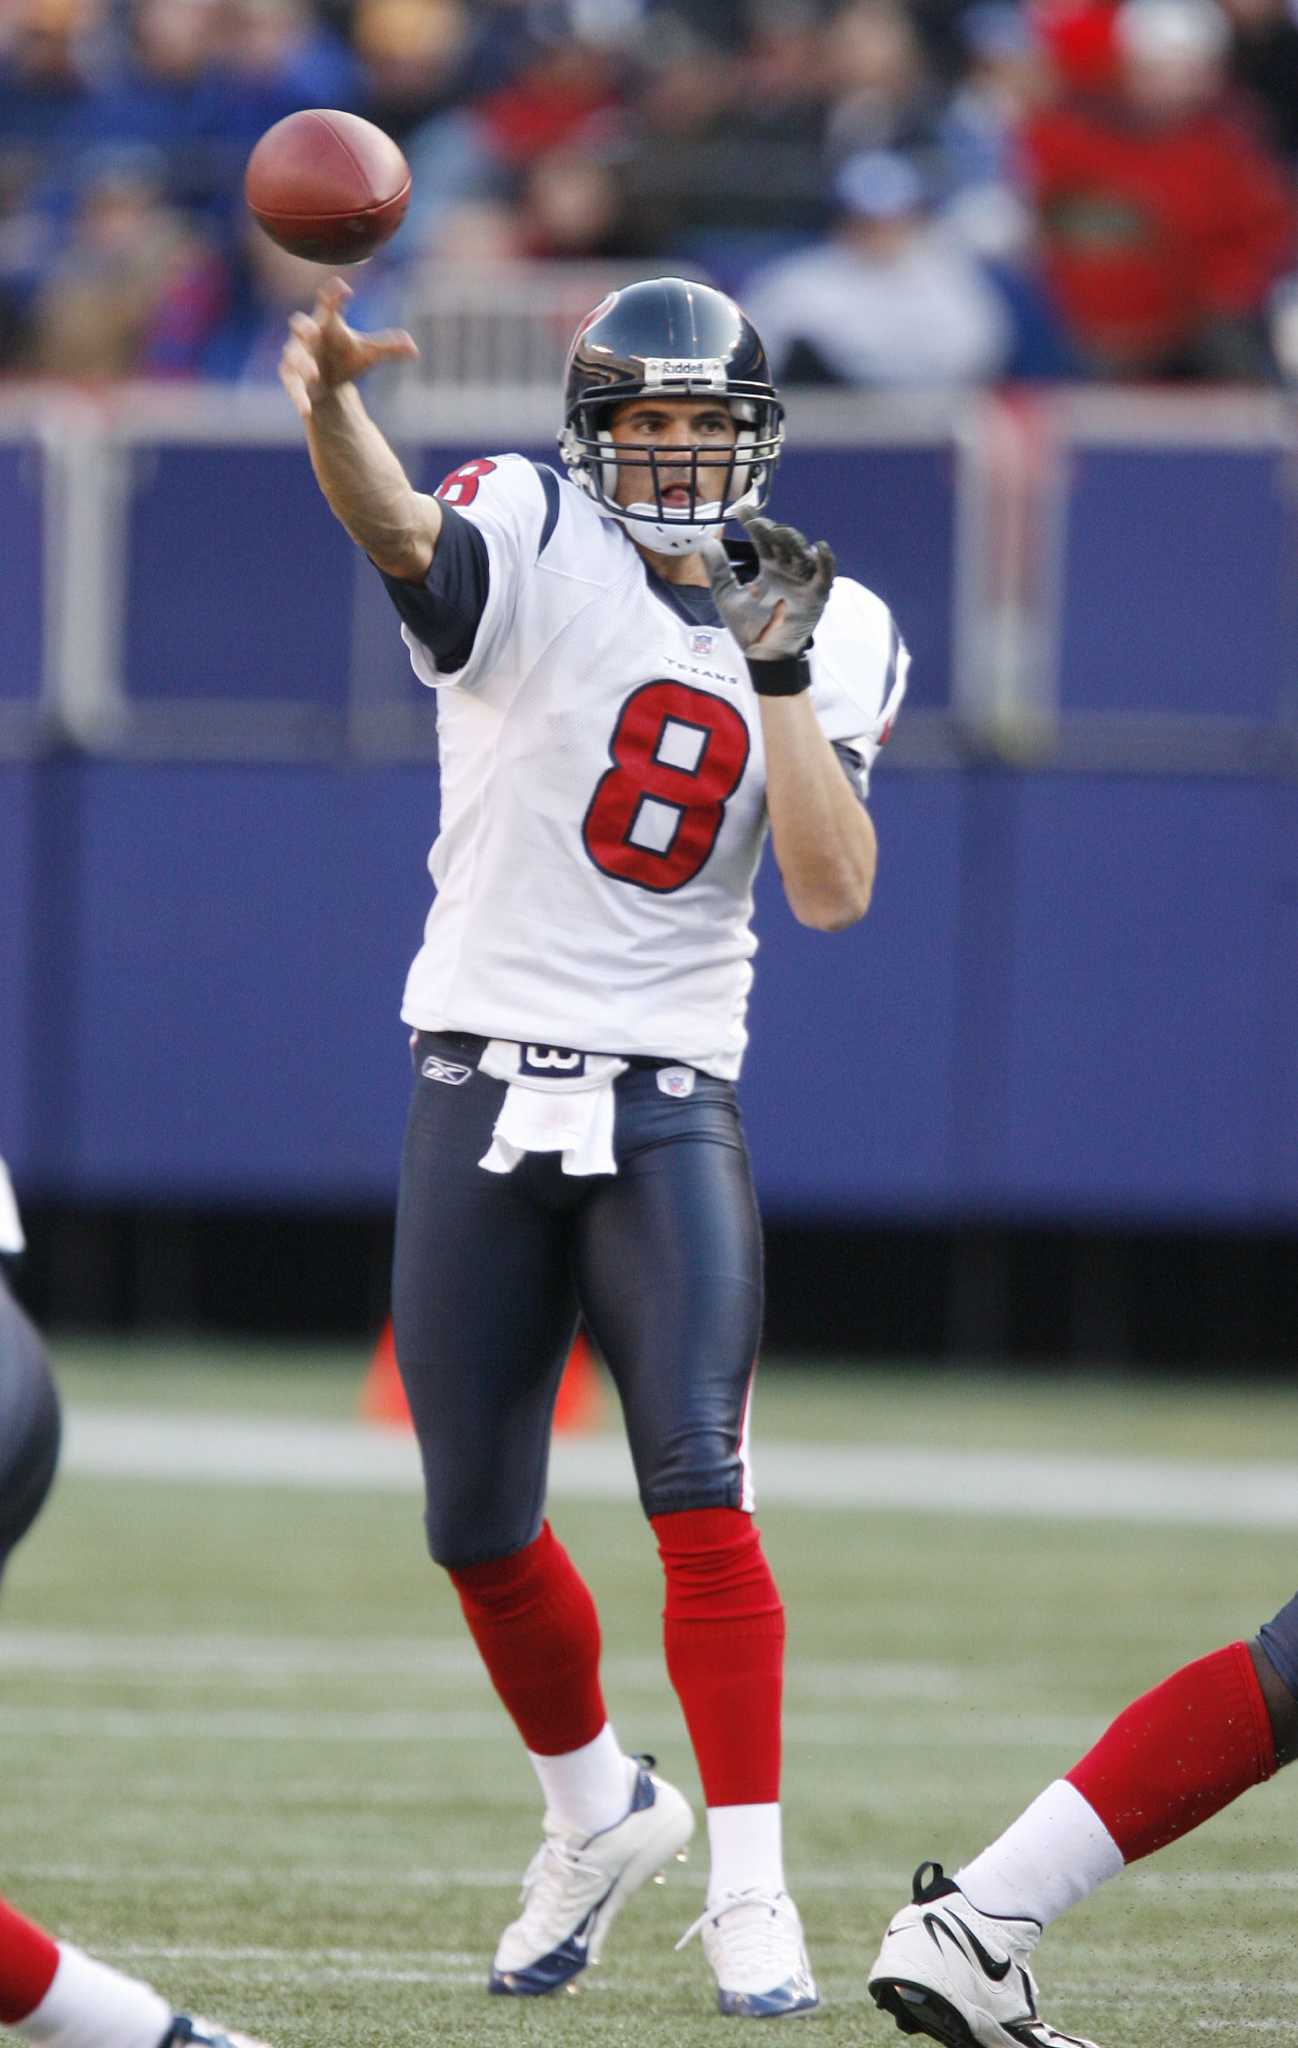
604	786
12	1240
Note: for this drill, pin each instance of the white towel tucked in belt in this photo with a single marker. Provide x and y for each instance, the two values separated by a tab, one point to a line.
556	1111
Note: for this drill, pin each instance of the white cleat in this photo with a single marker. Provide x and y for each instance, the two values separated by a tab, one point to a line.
185	2032
753	1940
961	1976
575	1885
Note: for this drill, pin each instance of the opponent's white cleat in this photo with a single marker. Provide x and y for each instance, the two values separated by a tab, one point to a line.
959	1975
576	1884
753	1940
185	2032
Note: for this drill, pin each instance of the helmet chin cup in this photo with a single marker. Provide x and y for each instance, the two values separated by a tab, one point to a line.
668	537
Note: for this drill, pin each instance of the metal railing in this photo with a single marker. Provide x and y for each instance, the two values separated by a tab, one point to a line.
1011	464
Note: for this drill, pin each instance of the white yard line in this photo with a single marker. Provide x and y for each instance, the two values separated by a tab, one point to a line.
268	1658
848	1880
811	1728
448	1967
344	1456
456	1967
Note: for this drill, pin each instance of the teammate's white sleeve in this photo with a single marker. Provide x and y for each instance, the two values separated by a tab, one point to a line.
859	668
507	499
11	1229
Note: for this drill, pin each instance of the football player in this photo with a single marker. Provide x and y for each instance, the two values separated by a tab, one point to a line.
51	1992
954	1963
627	704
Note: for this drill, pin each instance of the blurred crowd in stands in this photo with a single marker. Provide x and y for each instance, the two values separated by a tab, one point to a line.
903	192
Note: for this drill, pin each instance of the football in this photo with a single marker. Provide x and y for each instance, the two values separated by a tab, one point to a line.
327	185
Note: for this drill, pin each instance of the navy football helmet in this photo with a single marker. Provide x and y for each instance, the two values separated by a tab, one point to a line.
672	338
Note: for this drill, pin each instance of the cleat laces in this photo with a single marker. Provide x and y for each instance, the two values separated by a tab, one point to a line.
558	1882
762	1947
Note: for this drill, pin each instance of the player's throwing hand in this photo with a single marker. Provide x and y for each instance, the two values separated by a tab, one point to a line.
322	351
774	616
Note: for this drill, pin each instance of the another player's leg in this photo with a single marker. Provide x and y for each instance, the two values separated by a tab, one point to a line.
954	1963
50	1992
669	1270
29	1423
54	1995
484	1313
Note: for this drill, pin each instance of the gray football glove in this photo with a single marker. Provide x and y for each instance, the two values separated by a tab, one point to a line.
791	571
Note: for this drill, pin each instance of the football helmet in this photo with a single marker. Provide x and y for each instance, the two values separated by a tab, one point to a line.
671	338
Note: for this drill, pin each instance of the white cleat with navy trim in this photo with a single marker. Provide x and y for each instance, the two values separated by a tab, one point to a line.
575	1885
185	2032
753	1940
959	1975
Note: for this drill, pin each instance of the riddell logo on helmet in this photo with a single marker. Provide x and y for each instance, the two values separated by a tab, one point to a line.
709	370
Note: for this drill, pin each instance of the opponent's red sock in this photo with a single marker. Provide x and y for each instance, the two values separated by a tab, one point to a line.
1180	1753
723	1629
28	1960
535	1624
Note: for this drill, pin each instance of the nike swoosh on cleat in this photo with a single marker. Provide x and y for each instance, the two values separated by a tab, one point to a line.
1036	2034
988	1964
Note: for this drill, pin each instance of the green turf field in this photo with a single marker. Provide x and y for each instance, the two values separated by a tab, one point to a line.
248	1753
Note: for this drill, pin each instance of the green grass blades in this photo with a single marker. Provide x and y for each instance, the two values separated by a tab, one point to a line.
248	1752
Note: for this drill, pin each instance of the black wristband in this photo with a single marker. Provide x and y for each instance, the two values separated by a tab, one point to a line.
788	676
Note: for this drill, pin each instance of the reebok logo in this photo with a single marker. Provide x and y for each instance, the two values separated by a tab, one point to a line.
435	1069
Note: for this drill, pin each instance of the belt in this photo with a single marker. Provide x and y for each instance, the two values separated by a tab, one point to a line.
470	1047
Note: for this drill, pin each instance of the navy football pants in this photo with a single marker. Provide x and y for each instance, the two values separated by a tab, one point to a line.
29	1424
491	1270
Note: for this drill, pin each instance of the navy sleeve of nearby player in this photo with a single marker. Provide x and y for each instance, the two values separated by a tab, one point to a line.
445	610
853	765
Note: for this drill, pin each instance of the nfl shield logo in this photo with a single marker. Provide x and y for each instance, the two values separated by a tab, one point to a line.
701	642
677	1081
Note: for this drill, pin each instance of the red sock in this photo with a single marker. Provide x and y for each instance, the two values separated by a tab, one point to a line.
723	1628
1180	1753
535	1625
28	1960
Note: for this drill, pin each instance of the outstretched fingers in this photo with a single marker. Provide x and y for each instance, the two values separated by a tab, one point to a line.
331	296
392	344
789	553
720	569
826	566
299	364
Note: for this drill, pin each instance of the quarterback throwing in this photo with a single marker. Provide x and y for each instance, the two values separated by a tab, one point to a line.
627	704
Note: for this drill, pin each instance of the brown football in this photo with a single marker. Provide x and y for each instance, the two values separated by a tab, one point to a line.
327	185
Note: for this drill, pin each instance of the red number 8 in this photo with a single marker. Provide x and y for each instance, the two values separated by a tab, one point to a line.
698	795
461	486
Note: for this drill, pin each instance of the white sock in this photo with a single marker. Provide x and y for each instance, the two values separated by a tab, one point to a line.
746	1849
587	1789
89	2005
1051	1857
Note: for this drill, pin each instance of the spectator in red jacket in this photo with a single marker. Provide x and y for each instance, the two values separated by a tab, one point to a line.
1164	223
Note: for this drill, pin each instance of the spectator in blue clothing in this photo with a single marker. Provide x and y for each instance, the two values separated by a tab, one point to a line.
889	299
267	285
52	54
274	56
161	92
975	165
137	287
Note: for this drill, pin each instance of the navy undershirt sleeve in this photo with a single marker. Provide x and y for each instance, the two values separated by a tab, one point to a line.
445	610
851	763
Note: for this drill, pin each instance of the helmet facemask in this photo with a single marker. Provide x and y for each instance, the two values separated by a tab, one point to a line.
721	481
